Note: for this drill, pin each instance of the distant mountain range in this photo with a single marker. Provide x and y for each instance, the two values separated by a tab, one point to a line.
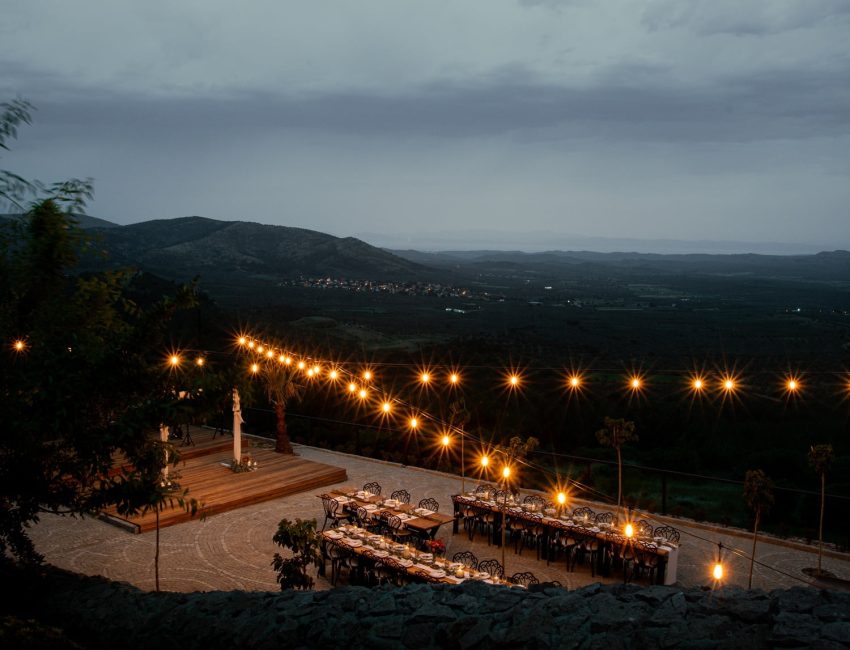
184	247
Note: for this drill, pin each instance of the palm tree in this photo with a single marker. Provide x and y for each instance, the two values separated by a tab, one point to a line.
617	432
820	458
281	387
758	494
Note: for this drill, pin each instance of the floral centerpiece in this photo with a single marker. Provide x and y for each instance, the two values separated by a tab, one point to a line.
247	464
436	546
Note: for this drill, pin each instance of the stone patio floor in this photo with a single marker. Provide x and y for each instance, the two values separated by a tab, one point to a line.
233	550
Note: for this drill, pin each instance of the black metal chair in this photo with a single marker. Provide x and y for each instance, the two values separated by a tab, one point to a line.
525	578
493	567
533	533
402	496
372	488
646	560
565	542
605	518
333	513
430	504
669	533
363	519
534	500
484	491
466	558
643	528
396	529
584	513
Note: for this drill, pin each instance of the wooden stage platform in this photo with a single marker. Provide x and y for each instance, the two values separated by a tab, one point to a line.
218	489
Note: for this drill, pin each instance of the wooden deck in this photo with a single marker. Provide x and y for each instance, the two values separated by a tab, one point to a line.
218	489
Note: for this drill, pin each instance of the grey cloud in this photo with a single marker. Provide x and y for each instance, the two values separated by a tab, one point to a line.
633	103
732	17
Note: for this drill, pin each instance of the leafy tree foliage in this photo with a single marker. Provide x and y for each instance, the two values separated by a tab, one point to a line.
301	538
820	459
617	432
758	495
83	376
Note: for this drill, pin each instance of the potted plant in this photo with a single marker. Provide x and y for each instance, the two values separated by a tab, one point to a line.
301	538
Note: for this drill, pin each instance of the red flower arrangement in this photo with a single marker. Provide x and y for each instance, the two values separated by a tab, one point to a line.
436	546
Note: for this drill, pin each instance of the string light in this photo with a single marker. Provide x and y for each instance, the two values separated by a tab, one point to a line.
729	384
635	383
561	498
200	361
506	472
425	377
317	370
310	372
513	380
333	375
255	368
454	378
367	375
698	384
174	360
386	407
485	461
19	345
260	349
242	340
287	361
629	531
301	365
413	423
445	440
363	393
574	381
251	345
270	354
352	387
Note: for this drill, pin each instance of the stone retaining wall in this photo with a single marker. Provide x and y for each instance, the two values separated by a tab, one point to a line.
99	613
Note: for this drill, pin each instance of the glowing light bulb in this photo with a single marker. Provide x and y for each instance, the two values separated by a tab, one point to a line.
367	375
424	377
251	344
635	383
562	498
287	361
506	471
697	384
282	358
445	440
333	374
200	361
386	406
717	571
19	346
793	385
301	365
260	349
242	340
514	380
310	372
255	368
485	461
454	378
630	531
352	387
174	360
729	384
575	381
414	423
317	370
270	354
362	393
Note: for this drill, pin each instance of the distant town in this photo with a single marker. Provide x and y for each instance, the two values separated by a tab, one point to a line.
395	288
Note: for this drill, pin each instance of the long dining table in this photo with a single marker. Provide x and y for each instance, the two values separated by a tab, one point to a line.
401	559
608	536
425	523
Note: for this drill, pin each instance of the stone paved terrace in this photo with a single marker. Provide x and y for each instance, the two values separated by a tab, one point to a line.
233	550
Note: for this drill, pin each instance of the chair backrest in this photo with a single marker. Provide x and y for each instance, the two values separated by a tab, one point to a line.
605	518
499	496
581	513
401	495
485	490
524	578
394	522
362	516
467	558
372	488
669	533
643	528
330	505
493	567
430	504
534	500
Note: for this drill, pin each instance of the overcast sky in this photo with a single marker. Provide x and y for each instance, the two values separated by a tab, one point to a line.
712	119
